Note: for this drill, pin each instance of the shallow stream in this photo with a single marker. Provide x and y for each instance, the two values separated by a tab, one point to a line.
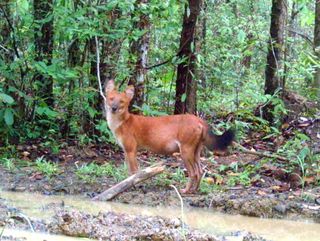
41	206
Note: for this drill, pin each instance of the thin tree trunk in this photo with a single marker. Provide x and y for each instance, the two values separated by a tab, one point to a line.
5	31
275	49
273	80
317	47
186	86
43	41
289	34
139	49
203	45
73	61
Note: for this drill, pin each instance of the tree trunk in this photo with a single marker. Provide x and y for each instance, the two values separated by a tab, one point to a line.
203	45
288	48
43	41
317	48
273	79
139	49
186	86
73	61
7	54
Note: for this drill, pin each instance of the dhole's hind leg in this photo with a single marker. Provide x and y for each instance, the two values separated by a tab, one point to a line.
197	168
187	154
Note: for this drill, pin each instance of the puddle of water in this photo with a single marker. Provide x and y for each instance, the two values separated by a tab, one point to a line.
34	205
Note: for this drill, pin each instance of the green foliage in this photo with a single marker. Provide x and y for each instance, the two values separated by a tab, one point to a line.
146	110
49	169
239	174
121	173
168	178
107	135
163	179
89	172
230	60
6	113
300	155
296	147
8	164
235	31
206	187
240	178
179	176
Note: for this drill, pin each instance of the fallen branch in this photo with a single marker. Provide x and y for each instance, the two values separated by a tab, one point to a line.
257	153
130	182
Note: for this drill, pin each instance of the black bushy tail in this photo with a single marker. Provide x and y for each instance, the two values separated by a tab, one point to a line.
216	142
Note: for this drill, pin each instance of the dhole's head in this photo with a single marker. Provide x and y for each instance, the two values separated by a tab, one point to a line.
118	102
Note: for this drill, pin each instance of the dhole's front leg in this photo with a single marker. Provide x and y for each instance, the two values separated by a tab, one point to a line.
131	160
130	151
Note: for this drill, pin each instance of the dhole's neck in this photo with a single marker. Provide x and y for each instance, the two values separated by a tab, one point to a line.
116	120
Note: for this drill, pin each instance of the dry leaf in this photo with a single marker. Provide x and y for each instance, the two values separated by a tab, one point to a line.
276	188
261	193
210	180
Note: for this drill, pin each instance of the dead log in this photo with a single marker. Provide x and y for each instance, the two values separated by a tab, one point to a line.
130	182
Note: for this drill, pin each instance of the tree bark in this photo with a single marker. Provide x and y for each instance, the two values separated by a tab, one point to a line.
43	41
273	79
139	49
5	31
185	83
317	48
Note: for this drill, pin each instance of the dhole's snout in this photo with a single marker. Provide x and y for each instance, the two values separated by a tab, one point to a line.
114	108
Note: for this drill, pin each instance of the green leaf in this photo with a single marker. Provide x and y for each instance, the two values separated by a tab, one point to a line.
46	111
8	116
92	112
241	36
304	153
184	97
6	98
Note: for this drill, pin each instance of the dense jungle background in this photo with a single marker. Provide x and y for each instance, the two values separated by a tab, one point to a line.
249	65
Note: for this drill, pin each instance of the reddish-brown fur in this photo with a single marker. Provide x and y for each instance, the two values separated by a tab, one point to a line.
164	135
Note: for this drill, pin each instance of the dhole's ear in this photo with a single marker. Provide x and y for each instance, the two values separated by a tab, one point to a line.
130	92
110	86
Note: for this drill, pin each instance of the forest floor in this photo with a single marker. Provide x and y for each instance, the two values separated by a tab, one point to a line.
270	192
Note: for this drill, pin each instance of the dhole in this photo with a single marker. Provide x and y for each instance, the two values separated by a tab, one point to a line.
186	134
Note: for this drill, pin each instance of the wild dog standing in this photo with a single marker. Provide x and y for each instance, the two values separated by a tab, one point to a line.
186	134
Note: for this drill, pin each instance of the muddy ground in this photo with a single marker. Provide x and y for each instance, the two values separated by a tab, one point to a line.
267	197
107	226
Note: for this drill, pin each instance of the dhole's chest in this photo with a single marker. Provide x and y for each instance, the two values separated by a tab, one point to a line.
114	123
